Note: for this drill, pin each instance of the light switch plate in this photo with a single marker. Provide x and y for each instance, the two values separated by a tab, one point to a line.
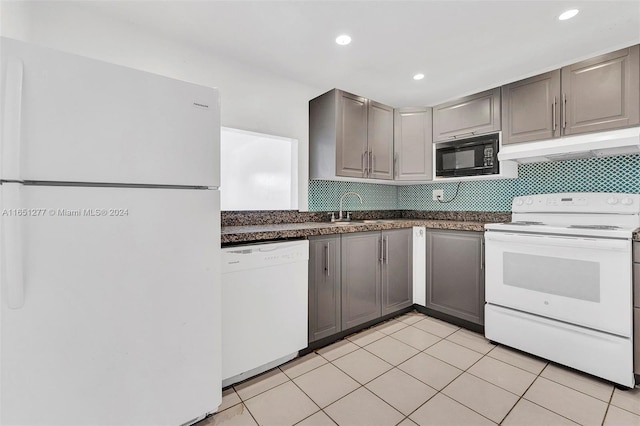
438	194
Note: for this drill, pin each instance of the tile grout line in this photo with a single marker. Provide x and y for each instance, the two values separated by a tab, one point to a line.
520	397
364	385
407	417
573	389
460	375
543	407
608	406
508	363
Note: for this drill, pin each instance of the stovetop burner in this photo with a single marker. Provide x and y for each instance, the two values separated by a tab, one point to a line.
606	227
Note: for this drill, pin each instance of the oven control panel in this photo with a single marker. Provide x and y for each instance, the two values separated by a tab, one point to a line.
567	201
578	202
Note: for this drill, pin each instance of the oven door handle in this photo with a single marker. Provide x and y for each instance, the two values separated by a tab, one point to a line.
559	241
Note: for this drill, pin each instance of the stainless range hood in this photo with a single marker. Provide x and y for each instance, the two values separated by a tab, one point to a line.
601	144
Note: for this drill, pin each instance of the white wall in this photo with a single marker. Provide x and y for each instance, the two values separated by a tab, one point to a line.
252	99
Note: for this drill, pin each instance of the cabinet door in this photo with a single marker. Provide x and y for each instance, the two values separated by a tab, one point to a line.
455	279
413	144
351	135
380	140
602	93
471	115
397	270
361	301
324	287
531	109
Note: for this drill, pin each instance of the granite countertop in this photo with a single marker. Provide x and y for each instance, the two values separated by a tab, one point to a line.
636	235
249	233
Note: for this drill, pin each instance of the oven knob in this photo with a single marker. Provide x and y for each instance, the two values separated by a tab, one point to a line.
612	200
529	201
519	202
627	201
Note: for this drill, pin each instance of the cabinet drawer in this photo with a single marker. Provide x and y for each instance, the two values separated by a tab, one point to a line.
636	251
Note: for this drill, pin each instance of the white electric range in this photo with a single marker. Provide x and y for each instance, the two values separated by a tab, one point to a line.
558	280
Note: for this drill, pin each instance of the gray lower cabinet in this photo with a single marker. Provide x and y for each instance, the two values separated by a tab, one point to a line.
530	109
397	270
636	307
413	146
468	116
455	276
324	287
358	277
361	278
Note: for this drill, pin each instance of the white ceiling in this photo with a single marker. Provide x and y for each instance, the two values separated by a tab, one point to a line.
462	46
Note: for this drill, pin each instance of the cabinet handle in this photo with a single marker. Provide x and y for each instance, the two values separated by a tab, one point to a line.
326	262
386	250
395	164
381	250
363	166
373	162
564	110
481	255
462	134
553	115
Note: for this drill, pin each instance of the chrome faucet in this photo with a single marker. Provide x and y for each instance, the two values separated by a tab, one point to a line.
342	199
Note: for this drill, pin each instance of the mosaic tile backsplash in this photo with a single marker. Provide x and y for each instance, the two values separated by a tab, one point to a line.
608	174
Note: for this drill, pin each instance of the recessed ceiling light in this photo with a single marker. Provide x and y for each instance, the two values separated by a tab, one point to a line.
343	40
568	14
418	76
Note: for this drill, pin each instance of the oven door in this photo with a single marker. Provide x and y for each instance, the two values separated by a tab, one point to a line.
579	280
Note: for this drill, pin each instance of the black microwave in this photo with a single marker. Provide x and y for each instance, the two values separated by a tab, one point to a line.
468	157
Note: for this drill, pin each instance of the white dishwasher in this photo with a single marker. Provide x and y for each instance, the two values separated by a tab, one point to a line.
264	307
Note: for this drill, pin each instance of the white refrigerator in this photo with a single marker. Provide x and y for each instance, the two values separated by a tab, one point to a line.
109	243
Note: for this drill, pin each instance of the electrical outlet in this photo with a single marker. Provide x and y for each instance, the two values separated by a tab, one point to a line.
438	194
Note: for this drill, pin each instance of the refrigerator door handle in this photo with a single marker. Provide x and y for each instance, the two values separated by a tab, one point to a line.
11	250
11	121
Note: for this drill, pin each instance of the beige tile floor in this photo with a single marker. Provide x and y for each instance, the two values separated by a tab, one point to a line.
418	370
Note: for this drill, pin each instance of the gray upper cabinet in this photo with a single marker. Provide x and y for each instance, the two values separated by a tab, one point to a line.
350	136
397	270
324	287
413	154
361	278
468	116
602	93
530	109
455	276
380	139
